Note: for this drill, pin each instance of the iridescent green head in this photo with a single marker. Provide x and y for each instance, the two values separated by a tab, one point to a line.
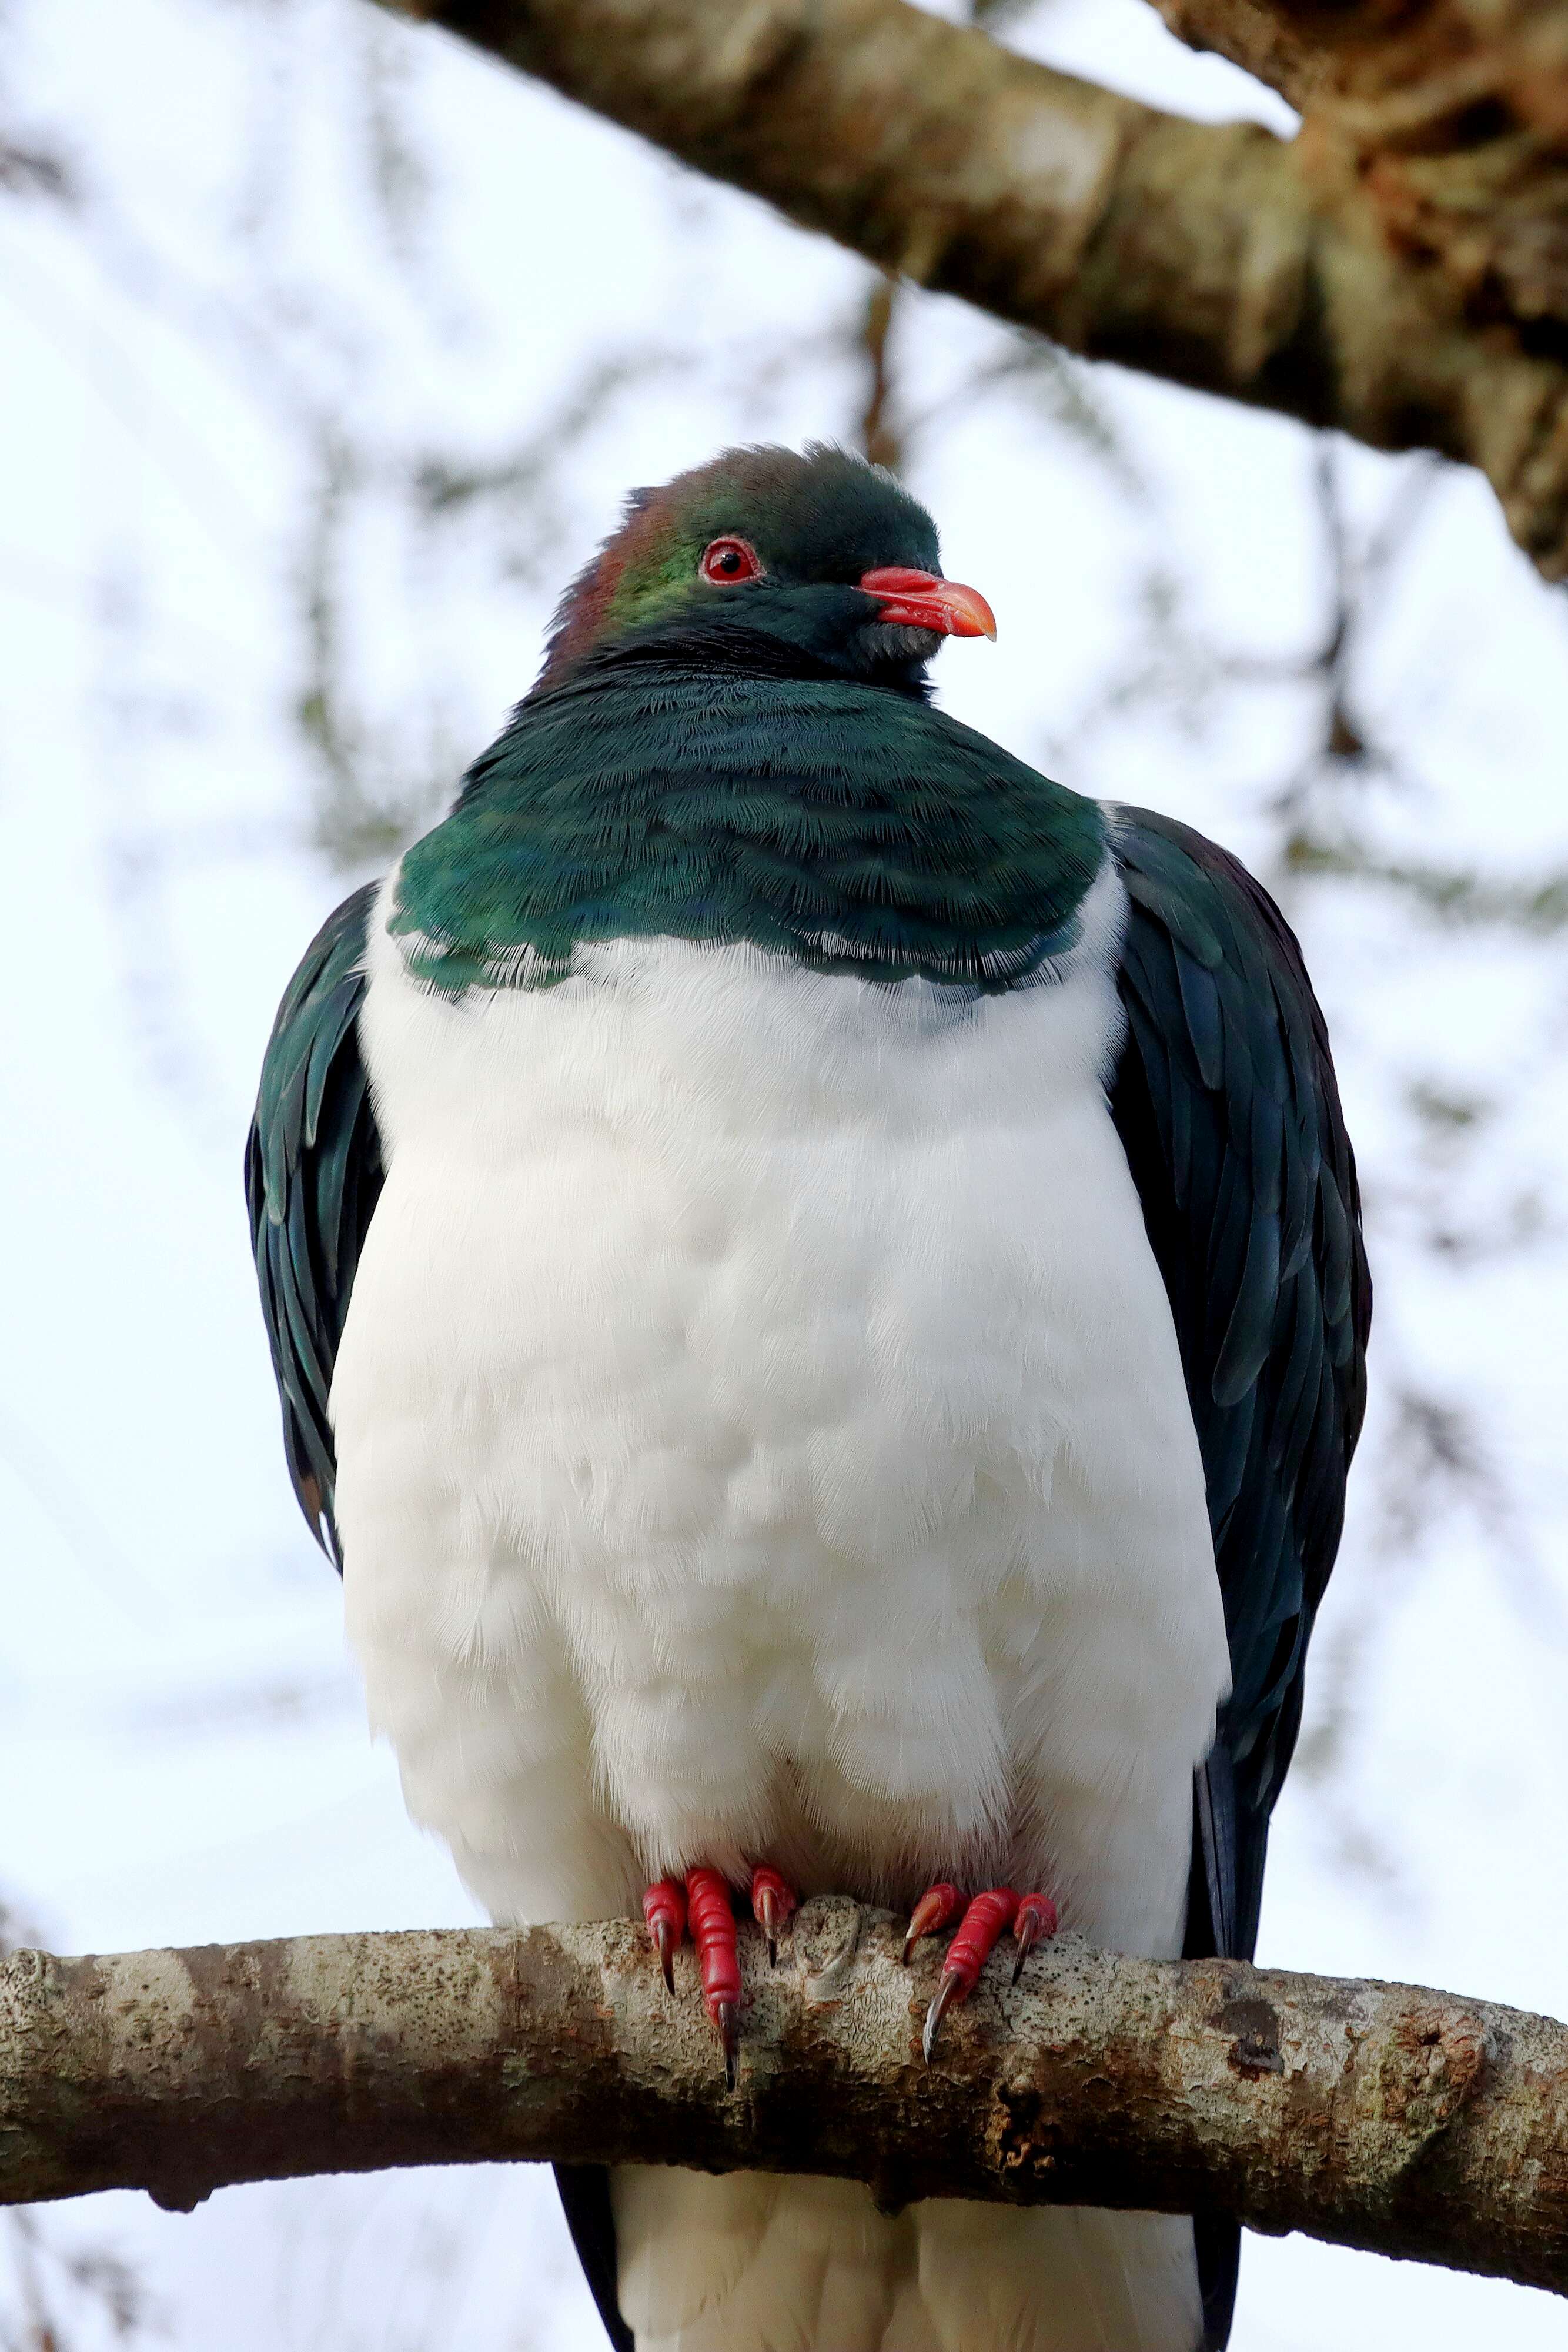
818	550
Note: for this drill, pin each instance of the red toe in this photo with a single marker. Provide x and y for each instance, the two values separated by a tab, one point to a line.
773	1903
1035	1923
665	1909
938	1905
983	1922
970	1949
718	1958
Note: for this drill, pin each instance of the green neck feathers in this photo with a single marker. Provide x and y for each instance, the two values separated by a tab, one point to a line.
720	784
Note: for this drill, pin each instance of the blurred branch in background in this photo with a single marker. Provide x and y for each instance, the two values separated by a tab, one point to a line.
33	172
55	2284
509	513
879	440
1219	257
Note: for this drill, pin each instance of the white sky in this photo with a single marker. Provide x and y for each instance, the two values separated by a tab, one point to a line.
180	1740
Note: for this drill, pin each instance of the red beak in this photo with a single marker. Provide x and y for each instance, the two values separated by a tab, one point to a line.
923	602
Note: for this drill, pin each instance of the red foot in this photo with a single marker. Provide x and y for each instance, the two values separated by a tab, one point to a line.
1034	1924
1031	1920
705	1905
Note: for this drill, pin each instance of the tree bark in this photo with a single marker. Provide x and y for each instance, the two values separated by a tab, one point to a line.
1286	274
1383	2116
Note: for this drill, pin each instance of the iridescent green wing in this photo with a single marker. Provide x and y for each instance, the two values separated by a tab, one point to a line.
313	1174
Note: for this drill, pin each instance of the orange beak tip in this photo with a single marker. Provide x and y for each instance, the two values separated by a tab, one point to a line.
923	601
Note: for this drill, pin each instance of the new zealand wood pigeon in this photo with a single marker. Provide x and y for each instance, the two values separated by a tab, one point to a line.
816	1285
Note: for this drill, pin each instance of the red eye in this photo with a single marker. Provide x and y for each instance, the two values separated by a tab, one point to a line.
727	560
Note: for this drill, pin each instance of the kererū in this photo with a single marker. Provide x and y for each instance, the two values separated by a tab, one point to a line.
816	1285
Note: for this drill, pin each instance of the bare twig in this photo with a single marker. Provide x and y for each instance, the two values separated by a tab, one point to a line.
880	436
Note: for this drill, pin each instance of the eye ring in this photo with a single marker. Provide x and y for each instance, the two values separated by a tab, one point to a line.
729	560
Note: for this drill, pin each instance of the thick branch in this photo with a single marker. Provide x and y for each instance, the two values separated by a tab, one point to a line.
1514	50
1270	39
1450	115
1217	256
1375	2116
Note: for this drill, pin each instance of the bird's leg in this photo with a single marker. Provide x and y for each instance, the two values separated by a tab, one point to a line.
1032	1918
968	1953
703	1904
713	1932
665	1909
773	1905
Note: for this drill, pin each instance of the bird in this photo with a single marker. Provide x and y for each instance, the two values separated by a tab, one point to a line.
816	1285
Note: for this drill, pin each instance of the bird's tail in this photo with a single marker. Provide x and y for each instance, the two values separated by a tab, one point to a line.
759	2263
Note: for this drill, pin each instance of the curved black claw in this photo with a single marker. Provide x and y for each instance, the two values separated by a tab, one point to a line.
664	1940
952	1979
728	2023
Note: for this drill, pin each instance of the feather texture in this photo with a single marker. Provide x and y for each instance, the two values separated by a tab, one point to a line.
313	1176
1227	1105
724	786
1234	1137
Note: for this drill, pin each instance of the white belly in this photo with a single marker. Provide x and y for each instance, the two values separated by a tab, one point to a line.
762	1434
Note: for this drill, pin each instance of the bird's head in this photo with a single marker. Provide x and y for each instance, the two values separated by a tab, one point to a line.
821	552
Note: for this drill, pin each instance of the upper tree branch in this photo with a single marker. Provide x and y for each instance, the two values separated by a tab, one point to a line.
1452	117
1375	2115
1217	256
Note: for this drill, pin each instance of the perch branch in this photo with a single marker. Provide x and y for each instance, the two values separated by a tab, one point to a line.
1408	2122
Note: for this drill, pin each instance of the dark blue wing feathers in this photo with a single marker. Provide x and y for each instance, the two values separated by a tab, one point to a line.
1226	1106
1226	1101
313	1175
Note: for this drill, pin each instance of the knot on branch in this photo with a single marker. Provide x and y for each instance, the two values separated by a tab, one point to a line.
1449	117
1433	2063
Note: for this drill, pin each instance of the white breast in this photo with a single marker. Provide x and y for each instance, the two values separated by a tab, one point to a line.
762	1435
